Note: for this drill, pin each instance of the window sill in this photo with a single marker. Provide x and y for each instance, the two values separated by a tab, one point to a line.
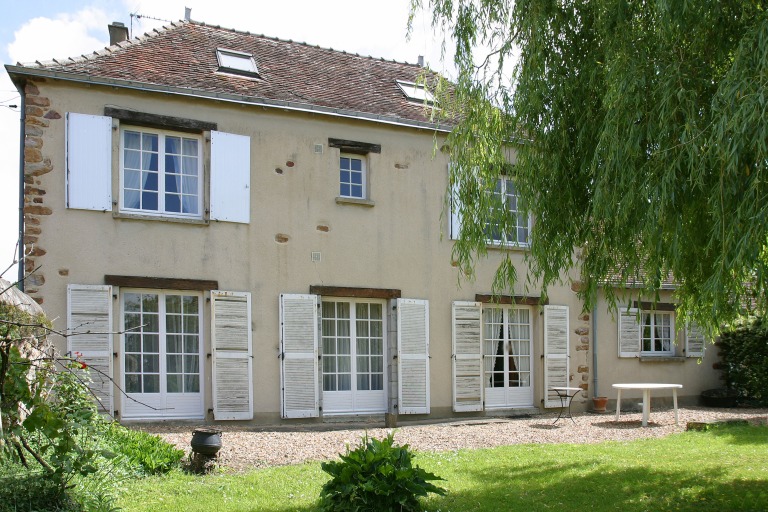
358	202
507	247
662	359
139	216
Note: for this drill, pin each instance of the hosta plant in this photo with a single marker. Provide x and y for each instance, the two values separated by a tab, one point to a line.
377	476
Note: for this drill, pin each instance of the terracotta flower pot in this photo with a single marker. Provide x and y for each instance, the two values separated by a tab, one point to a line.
599	403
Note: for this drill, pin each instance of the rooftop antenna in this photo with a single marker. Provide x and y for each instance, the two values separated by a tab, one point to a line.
139	16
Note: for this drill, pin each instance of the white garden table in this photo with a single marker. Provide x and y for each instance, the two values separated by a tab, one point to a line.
647	387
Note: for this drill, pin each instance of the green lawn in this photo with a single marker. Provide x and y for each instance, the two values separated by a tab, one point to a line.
719	470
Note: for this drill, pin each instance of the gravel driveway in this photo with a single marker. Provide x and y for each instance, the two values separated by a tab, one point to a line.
248	447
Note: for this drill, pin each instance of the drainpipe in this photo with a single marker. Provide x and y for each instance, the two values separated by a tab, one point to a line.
23	106
594	352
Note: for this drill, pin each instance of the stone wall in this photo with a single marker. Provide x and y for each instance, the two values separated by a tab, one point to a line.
39	115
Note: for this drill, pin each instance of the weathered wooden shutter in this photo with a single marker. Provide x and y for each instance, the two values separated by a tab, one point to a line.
232	355
89	329
556	370
298	351
88	162
230	177
629	333
413	356
467	356
694	341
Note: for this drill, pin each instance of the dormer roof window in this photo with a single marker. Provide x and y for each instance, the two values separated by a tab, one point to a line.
239	63
416	92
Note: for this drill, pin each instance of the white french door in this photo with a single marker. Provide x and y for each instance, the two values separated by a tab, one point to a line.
353	356
507	359
162	354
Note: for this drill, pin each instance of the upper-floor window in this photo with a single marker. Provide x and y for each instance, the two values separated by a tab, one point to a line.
240	63
352	176
657	335
416	92
161	173
519	227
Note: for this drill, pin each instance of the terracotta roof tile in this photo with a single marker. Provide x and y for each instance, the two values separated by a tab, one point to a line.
183	55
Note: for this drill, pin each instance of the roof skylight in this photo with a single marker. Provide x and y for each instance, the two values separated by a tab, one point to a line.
236	62
416	92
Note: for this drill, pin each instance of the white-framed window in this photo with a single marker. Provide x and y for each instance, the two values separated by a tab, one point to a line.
162	353
352	176
519	228
657	333
416	92
160	172
233	61
352	334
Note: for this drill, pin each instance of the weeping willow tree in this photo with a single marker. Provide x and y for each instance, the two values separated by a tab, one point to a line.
640	129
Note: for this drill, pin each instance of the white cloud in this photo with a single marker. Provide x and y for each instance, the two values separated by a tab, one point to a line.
65	35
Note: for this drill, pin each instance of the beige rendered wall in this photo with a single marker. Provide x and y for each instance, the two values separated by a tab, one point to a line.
401	242
695	374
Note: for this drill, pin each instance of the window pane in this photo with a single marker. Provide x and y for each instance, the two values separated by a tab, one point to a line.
189	185
149	142
173	363
363	382
329	346
345	190
150	364
132	363
190	324
377	364
344	364
173	164
357	191
377	382
149	181
173	145
345	382
151	343
191	383
192	364
149	163
151	383
329	365
132	161
362	364
149	201
356	164
133	199
189	166
132	342
173	323
190	304
329	383
191	345
190	147
132	321
133	383
151	322
132	140
173	344
174	383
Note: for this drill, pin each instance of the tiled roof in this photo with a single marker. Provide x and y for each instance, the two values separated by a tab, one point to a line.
182	57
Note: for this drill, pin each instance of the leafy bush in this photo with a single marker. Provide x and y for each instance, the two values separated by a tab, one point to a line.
151	453
377	476
745	358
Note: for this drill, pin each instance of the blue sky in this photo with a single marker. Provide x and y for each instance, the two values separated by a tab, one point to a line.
41	30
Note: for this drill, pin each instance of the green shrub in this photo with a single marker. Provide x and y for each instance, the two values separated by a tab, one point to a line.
745	359
22	489
150	453
378	476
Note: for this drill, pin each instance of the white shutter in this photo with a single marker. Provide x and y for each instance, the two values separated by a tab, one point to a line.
455	227
231	342
89	328
467	356
629	333
556	370
230	177
88	162
298	350
694	341
413	356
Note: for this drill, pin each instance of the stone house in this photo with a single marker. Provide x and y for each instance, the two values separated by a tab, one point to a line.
238	227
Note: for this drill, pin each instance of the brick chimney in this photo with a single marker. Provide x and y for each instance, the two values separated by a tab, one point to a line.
118	33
